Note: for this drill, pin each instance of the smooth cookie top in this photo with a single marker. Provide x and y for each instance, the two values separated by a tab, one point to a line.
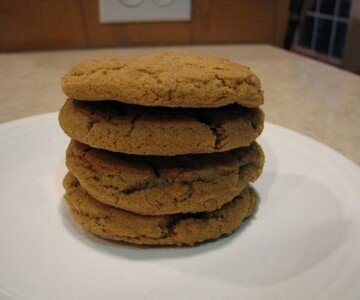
165	79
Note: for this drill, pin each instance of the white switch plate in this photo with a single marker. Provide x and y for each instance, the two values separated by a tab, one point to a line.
125	11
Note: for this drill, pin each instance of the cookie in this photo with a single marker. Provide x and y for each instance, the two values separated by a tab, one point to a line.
163	131
165	79
164	185
182	229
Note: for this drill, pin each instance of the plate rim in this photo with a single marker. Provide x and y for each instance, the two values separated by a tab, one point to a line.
51	117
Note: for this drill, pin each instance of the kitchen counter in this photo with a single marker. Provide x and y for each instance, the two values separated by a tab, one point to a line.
316	99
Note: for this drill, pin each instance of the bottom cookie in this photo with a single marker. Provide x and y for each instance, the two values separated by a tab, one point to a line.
180	229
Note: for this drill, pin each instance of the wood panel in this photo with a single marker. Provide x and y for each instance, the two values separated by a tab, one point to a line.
59	24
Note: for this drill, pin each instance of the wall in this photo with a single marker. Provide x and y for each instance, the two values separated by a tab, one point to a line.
351	59
58	24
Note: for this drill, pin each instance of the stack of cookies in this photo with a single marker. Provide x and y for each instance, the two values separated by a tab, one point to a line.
163	147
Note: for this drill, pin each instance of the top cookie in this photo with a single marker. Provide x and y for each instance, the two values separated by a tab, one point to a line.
165	79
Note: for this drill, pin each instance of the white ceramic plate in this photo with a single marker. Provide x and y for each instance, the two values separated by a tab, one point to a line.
303	243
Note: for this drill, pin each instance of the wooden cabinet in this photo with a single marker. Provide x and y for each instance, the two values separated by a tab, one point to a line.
59	24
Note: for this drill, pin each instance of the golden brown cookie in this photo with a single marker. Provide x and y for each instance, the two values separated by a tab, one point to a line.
163	131
153	185
182	229
165	79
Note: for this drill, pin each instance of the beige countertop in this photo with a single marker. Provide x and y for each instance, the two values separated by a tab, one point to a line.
313	98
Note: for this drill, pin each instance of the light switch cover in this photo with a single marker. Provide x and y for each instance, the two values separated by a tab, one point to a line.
125	11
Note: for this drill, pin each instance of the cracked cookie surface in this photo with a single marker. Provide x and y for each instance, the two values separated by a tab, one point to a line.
165	79
134	129
181	229
153	185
